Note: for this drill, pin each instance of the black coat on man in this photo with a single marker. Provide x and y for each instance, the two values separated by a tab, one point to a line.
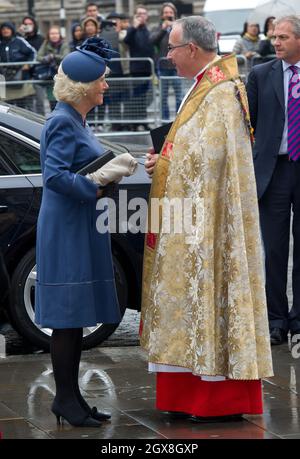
278	188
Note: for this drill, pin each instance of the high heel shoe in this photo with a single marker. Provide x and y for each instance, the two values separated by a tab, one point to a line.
99	415
93	412
79	420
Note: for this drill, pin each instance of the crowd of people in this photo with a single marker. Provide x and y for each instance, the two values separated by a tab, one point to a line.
131	37
251	45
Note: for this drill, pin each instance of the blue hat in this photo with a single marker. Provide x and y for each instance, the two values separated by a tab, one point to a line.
88	62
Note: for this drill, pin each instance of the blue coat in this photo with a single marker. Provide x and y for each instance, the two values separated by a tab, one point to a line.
75	284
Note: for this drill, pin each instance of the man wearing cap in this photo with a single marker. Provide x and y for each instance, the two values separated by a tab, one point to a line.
16	49
75	285
110	32
140	46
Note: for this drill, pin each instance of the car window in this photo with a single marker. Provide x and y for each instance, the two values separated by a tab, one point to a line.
26	159
4	170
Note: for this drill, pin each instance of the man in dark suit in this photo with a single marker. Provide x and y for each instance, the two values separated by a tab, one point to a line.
274	99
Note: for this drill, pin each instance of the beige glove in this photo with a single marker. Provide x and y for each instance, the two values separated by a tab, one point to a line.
121	166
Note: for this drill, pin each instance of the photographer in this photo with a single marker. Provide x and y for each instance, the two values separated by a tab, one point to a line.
138	41
159	38
110	28
29	30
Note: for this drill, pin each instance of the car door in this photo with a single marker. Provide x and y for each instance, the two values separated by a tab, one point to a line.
16	191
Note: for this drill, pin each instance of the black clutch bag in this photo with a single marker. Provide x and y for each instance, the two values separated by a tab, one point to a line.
107	156
158	136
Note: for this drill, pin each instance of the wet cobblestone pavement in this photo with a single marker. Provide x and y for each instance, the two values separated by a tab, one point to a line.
115	379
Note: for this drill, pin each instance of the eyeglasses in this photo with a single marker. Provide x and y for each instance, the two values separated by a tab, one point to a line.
171	47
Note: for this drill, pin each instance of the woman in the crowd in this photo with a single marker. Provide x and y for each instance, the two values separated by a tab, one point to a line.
248	44
77	36
30	31
90	27
266	47
50	54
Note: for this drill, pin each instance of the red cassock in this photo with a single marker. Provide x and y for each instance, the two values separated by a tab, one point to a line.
186	393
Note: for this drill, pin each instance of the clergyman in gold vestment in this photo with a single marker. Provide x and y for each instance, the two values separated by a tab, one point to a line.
204	318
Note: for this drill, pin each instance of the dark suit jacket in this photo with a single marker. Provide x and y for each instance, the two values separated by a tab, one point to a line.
265	90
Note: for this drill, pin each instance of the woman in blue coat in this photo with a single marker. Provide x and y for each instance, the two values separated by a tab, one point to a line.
75	280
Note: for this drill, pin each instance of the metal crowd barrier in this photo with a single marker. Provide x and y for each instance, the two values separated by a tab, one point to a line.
243	66
129	102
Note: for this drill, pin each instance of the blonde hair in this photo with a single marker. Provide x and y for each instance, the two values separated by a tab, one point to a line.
68	90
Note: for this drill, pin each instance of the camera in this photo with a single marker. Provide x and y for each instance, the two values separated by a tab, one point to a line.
170	18
27	28
105	24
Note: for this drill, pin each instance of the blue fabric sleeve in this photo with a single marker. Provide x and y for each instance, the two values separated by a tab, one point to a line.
27	49
60	151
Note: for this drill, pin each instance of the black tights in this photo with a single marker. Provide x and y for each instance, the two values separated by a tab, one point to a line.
65	348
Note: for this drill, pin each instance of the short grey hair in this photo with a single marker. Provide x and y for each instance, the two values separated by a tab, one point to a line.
199	30
70	91
292	19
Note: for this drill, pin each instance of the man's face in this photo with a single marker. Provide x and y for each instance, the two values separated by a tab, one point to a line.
179	56
142	14
29	25
168	13
286	43
92	11
125	23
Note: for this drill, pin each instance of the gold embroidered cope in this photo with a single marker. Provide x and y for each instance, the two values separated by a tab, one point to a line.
203	305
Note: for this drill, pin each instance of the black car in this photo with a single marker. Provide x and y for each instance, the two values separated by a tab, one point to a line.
20	198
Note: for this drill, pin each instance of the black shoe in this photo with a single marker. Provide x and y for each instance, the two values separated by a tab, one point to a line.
177	415
211	419
99	415
93	412
76	419
278	336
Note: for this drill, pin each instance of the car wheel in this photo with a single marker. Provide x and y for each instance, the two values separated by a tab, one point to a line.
21	307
